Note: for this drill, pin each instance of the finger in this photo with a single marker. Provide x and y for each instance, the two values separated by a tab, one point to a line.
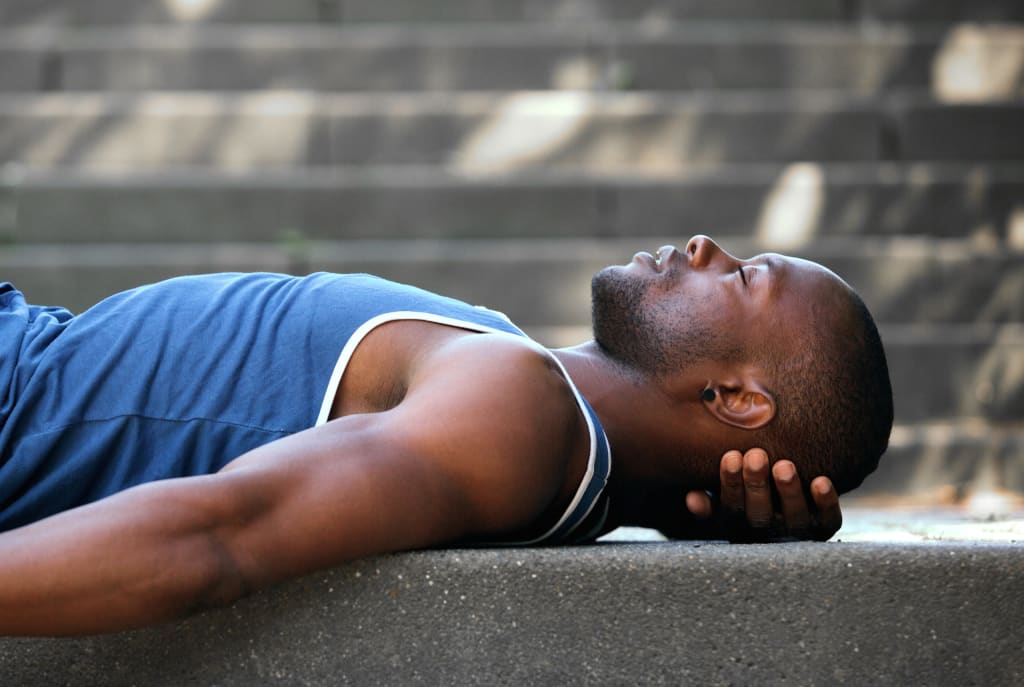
830	516
699	504
756	488
794	505
731	478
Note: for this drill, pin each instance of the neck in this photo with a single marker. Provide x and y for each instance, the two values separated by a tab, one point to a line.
642	421
655	459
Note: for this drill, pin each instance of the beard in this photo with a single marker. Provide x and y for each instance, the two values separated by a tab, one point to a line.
638	325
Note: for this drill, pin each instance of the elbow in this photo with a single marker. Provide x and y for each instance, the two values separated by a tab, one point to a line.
213	553
215	577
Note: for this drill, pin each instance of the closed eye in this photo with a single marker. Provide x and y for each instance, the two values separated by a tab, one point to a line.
743	275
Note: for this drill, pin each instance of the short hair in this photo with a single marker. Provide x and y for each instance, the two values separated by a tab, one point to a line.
834	406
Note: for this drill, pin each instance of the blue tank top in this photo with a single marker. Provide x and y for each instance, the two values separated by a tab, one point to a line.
180	377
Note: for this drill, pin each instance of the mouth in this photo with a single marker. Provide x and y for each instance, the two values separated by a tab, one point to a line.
657	260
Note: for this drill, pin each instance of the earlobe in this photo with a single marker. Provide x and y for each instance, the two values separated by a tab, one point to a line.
746	404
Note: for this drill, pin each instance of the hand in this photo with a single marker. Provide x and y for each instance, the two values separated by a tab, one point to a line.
746	512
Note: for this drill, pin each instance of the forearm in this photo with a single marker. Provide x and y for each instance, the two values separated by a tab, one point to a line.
139	557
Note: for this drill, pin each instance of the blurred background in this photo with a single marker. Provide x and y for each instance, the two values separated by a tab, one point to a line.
501	151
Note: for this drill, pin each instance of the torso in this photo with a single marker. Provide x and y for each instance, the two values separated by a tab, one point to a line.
203	369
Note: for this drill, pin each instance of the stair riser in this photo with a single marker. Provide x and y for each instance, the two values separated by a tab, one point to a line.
562	132
920	201
331	11
551	284
443	62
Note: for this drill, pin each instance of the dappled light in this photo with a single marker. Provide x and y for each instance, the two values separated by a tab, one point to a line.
525	128
792	208
1015	229
980	63
191	10
139	131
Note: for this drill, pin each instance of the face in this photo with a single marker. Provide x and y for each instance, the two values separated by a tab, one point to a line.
666	312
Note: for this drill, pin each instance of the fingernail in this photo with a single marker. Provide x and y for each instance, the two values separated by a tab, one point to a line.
785	473
756	461
733	464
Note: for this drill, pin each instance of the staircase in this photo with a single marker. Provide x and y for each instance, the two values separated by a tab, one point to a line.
502	151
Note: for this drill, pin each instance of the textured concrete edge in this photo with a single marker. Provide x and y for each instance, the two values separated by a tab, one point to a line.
653	613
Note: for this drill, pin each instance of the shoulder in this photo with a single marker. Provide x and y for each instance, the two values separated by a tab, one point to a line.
500	410
521	367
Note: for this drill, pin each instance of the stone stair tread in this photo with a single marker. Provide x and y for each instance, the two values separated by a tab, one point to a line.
958	284
73	37
486	57
631	132
200	204
884	172
539	102
21	12
593	35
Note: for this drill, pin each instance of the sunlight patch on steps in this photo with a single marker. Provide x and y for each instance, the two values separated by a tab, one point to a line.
793	207
979	64
526	128
191	10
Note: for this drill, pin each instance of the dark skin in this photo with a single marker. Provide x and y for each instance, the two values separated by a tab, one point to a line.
389	472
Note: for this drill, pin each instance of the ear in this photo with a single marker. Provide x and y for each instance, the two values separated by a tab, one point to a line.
741	402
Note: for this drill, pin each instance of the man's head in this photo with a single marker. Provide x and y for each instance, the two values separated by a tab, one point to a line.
789	351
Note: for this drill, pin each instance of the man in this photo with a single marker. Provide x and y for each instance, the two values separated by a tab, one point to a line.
275	426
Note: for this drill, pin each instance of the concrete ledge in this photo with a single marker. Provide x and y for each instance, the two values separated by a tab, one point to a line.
671	613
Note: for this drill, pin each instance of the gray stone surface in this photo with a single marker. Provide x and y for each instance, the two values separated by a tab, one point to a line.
493	57
546	282
670	613
472	131
196	204
347	11
609	132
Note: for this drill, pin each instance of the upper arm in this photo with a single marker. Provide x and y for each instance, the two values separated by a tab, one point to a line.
479	445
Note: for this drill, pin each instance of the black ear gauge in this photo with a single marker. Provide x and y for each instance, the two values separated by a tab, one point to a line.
708	395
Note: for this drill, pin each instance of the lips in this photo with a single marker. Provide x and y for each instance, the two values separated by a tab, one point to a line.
666	256
646	258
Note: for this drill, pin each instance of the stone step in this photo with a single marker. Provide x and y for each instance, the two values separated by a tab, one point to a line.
904	283
785	205
494	57
949	463
941	613
480	132
116	12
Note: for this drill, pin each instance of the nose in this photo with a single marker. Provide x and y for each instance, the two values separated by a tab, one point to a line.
702	250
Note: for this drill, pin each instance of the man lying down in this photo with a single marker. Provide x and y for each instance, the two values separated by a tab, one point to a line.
182	444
